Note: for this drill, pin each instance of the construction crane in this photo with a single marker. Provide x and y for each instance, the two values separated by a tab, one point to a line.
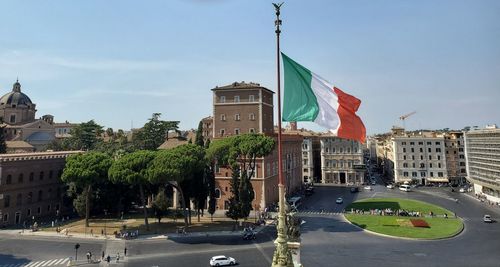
403	118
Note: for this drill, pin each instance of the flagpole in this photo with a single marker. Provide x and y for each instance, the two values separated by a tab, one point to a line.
282	256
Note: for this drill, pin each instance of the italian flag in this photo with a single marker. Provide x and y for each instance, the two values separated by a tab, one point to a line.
308	97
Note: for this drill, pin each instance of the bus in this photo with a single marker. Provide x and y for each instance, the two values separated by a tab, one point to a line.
405	187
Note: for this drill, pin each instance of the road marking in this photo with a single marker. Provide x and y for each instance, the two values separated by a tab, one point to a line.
63	261
30	264
49	262
39	263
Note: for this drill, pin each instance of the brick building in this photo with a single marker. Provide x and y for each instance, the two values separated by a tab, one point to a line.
31	187
248	108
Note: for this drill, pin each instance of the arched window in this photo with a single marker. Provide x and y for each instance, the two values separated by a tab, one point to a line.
32	176
9	179
41	175
20	178
217	193
40	195
30	197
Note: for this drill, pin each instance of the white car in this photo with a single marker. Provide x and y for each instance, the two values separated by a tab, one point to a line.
462	190
339	200
390	186
222	260
487	219
368	187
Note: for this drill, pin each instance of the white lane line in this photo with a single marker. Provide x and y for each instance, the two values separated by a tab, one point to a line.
49	262
65	260
30	264
38	264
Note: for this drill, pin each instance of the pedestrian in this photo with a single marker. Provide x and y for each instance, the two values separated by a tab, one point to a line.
88	257
108	259
125	252
102	257
117	257
91	232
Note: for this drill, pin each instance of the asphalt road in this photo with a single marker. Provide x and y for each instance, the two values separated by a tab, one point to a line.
327	239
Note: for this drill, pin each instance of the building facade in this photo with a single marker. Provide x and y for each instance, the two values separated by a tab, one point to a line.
342	161
482	153
455	157
420	159
31	187
241	108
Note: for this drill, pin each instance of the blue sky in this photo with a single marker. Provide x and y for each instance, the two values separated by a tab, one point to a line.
117	62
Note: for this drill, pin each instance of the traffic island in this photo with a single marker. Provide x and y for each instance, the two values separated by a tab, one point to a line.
404	218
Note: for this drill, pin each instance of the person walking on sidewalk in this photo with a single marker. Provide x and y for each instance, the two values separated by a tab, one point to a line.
125	252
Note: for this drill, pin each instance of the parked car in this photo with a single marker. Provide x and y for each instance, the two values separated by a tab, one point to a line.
339	200
390	186
374	182
487	219
462	190
368	187
222	260
354	189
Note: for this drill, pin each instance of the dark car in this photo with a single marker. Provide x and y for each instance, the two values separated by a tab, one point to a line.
354	189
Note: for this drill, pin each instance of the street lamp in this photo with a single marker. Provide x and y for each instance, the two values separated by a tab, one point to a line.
77	246
105	215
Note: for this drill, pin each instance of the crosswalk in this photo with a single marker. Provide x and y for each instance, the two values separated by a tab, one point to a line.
44	263
318	212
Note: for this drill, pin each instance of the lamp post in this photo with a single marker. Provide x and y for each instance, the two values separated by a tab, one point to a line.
282	256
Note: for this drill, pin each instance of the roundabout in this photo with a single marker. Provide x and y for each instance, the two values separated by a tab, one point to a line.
404	218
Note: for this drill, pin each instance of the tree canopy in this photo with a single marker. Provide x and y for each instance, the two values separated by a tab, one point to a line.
154	132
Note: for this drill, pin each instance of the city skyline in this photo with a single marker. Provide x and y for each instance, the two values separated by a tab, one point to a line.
95	60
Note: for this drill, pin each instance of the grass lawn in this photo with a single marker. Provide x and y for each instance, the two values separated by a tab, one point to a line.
401	226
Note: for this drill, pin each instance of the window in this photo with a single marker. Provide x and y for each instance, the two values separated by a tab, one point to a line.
431	174
430	157
438	150
422	165
429	143
439	165
251	98
222	132
421	143
429	150
251	116
28	212
421	157
414	174
405	165
462	163
413	165
403	143
30	197
422	174
39	210
421	150
6	201
9	179
439	157
404	149
405	174
6	217
412	143
41	175
461	156
251	130
223	117
12	118
413	157
236	131
430	165
438	143
40	195
236	99
404	157
20	178
223	99
412	150
440	174
217	193
51	174
48	207
237	117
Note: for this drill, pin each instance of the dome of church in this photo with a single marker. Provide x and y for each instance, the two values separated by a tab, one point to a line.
15	97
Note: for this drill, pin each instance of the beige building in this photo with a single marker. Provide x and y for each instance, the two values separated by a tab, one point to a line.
482	153
248	108
17	113
31	187
342	161
420	159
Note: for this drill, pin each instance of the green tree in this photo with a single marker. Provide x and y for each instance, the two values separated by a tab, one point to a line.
154	132
161	205
240	153
85	136
210	178
131	169
199	135
177	166
3	145
110	133
84	171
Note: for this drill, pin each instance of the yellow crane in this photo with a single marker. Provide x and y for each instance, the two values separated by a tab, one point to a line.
403	118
